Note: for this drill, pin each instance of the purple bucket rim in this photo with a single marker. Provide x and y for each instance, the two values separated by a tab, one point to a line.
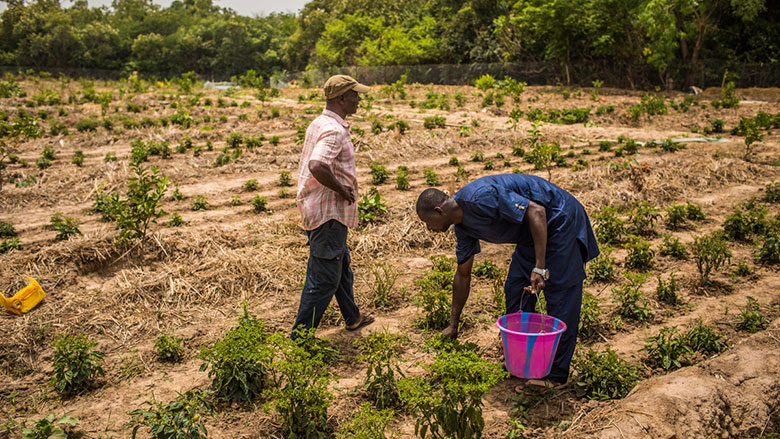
509	331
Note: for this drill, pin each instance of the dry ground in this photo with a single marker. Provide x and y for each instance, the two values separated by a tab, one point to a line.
192	280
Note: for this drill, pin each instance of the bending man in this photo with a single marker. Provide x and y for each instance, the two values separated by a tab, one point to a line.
553	240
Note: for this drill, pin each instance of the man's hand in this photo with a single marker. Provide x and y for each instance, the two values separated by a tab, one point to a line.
450	332
537	283
348	194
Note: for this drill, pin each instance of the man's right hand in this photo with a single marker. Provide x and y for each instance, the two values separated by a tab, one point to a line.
348	194
450	332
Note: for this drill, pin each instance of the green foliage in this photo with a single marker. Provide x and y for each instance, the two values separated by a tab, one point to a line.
366	423
169	348
251	185
379	173
629	300
487	270
743	225
402	178
48	428
591	320
666	291
300	395
371	207
401	125
384	277
65	226
87	124
604	375
381	353
651	105
76	364
769	250
485	82
199	202
431	178
179	419
710	252
259	204
141	207
7	230
175	220
643	217
772	192
751	319
78	158
448	404
478	156
608	227
436	293
433	122
8	244
181	118
602	268
640	255
285	179
705	338
668	350
240	363
234	140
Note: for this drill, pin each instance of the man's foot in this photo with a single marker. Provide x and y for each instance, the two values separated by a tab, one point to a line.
363	320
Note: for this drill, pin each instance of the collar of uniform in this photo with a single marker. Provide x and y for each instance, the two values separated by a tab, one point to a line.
337	117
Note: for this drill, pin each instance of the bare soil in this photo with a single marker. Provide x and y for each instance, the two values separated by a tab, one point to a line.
192	280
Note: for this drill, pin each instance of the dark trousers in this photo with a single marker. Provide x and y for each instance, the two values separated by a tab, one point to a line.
328	273
563	304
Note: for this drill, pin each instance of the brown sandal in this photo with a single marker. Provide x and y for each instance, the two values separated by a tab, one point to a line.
365	319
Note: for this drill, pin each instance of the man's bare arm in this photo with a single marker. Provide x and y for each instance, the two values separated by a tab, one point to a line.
537	222
461	286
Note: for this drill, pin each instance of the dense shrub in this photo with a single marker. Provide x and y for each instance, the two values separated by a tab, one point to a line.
76	364
604	375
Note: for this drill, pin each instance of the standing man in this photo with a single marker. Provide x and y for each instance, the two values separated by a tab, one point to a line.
327	190
553	240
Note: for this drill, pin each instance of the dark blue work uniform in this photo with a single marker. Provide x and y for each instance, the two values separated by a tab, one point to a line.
493	210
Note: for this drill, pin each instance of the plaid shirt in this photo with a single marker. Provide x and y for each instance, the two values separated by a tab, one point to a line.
327	140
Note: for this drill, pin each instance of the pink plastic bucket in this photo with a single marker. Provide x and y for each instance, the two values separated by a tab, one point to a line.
530	341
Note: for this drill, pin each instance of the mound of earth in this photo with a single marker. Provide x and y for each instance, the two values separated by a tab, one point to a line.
735	394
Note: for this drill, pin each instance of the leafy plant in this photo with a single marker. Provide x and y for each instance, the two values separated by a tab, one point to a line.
432	122
435	294
710	252
251	185
140	208
666	291
300	395
742	225
751	319
672	246
629	300
591	320
381	353
241	362
402	178
285	179
199	202
705	338
7	230
487	270
76	364
65	226
668	350
478	156
769	250
602	268
48	428
176	220
604	375
259	204
8	244
379	173
608	227
371	207
179	419
449	403
169	348
366	423
643	218
431	178
640	255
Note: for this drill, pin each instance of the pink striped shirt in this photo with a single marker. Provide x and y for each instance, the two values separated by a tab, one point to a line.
327	140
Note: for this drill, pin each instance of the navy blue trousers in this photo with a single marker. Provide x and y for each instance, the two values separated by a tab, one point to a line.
328	273
563	304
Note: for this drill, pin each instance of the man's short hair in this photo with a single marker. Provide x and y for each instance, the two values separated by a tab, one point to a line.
430	199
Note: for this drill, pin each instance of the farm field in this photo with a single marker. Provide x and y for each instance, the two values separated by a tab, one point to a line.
662	203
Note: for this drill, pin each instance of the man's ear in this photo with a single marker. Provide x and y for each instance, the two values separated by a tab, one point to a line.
438	210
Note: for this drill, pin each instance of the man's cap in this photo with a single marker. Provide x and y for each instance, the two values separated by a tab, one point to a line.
337	85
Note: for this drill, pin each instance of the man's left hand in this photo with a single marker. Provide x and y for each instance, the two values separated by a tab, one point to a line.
537	283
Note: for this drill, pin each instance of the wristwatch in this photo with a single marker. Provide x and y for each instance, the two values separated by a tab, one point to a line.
545	273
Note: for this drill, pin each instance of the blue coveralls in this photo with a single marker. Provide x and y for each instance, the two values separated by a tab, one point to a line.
493	211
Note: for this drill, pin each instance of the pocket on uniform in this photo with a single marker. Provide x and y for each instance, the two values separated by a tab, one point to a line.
328	241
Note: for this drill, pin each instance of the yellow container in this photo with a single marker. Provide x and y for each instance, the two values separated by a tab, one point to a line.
26	299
